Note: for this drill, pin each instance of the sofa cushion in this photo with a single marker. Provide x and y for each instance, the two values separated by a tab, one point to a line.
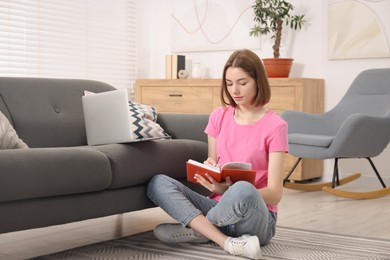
9	139
144	124
136	163
45	172
311	140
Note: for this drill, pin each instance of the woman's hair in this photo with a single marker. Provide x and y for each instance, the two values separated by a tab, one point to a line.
249	62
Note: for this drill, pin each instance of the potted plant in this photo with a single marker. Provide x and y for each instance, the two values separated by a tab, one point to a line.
269	17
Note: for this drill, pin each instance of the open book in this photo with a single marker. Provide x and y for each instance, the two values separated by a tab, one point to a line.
238	171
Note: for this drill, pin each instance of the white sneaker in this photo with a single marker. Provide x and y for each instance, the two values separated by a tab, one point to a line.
246	245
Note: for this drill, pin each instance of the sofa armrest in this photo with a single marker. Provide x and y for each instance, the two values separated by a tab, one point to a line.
306	123
184	126
362	136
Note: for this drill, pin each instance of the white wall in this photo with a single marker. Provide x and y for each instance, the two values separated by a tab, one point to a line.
308	47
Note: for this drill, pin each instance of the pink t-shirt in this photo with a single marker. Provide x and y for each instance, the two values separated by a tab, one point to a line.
248	143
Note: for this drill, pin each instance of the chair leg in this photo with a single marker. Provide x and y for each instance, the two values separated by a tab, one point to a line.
336	178
376	172
319	186
358	195
292	170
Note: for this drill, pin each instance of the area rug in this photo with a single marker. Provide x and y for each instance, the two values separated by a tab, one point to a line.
288	243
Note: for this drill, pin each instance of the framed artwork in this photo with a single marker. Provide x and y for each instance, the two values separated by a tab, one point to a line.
212	25
358	29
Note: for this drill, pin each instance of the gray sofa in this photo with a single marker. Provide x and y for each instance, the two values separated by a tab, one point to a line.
60	179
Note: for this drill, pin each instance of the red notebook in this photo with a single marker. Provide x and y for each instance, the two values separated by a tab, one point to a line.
238	171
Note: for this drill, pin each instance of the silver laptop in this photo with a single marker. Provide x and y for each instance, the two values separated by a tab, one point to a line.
107	117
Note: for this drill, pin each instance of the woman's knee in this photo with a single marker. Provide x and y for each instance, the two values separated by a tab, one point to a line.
243	189
160	183
156	183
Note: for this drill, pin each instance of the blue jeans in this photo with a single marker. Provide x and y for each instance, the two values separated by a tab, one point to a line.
241	210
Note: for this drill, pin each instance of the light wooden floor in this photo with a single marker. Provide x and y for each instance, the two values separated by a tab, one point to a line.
305	210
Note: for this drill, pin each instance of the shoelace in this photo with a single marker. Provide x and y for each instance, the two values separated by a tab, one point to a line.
238	247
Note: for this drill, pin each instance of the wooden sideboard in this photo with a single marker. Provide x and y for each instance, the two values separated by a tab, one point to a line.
203	95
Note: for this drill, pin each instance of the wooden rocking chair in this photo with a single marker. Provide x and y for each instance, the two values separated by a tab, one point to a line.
357	127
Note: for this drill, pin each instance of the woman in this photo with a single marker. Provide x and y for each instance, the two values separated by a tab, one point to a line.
237	216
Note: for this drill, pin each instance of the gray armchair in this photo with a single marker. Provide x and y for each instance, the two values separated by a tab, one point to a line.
357	127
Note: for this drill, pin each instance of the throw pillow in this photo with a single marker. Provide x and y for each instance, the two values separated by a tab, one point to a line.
144	124
143	119
9	139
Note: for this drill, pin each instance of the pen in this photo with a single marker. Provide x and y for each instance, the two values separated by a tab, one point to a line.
216	163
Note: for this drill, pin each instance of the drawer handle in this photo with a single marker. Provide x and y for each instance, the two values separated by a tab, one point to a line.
175	95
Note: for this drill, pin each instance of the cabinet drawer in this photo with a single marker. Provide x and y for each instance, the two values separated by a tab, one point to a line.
282	98
179	100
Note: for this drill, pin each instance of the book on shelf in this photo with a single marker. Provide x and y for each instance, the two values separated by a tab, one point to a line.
168	66
173	64
238	171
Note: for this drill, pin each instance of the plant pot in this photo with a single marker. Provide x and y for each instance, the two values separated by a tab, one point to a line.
277	67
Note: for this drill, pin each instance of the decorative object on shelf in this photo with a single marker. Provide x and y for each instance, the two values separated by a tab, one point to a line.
173	64
269	17
197	71
183	74
278	67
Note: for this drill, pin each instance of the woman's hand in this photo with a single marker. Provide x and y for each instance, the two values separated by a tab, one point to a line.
211	161
212	185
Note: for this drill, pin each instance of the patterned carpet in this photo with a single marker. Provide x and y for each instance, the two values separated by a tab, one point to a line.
287	244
